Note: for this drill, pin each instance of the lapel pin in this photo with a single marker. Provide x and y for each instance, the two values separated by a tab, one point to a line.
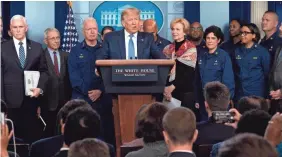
29	47
142	39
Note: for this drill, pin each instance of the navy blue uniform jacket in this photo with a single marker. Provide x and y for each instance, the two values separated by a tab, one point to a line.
81	64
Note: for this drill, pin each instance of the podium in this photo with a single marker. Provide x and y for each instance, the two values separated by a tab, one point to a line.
134	82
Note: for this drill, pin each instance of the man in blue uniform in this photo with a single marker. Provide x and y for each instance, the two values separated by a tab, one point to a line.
271	39
150	26
85	83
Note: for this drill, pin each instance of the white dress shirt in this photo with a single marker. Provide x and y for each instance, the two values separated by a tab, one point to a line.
17	46
134	38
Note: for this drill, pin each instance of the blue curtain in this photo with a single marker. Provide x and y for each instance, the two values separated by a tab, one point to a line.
240	10
192	11
61	11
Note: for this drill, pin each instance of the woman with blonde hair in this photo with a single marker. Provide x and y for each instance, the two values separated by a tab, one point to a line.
184	52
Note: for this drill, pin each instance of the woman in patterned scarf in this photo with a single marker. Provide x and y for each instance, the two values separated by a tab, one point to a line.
184	52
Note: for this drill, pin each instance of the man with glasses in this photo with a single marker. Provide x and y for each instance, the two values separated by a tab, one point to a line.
85	83
58	90
196	36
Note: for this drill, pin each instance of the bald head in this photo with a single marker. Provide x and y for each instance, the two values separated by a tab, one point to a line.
150	26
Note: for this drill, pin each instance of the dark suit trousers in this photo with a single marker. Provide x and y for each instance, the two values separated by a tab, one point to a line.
27	126
104	108
50	118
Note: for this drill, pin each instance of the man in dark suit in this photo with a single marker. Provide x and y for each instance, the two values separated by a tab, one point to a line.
58	89
276	82
180	136
129	43
18	55
217	98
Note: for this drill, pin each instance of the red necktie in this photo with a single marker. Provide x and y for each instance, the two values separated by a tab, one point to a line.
56	66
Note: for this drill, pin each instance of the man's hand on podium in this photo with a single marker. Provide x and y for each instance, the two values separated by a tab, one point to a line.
94	94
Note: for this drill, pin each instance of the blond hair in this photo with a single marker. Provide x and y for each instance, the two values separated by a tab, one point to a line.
128	11
184	22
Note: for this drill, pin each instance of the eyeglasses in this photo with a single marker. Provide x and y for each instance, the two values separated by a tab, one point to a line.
245	33
196	28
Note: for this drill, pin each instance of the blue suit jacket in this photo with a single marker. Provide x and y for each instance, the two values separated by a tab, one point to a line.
114	46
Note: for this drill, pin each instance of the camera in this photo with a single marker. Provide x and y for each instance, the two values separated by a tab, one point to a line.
223	117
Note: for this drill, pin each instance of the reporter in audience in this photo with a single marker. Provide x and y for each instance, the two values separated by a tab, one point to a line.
81	123
214	64
150	128
234	36
89	147
253	121
180	84
247	145
48	147
180	132
5	138
273	132
217	98
251	64
247	103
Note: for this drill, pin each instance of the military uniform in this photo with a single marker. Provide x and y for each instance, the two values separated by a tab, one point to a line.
251	68
81	64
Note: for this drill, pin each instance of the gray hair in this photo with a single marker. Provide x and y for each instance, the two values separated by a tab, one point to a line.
18	17
49	30
88	19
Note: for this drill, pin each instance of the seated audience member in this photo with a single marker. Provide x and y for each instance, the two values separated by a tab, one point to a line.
217	98
81	123
273	132
247	145
105	30
89	147
252	102
48	147
5	138
4	110
253	121
150	128
180	132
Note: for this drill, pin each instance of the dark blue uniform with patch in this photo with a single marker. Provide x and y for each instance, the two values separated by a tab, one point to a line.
212	67
81	64
251	68
271	44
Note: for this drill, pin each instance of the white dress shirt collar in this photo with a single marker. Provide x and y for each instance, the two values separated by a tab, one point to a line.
127	34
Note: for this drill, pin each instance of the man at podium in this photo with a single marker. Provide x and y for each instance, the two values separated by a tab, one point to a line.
129	43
